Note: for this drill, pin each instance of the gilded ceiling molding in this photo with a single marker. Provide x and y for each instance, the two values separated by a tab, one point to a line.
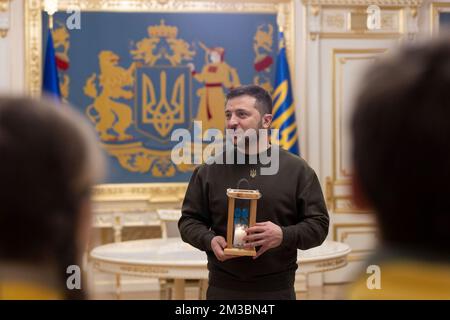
151	192
397	3
173	5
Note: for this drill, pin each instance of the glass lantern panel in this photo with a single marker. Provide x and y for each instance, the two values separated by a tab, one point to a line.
241	221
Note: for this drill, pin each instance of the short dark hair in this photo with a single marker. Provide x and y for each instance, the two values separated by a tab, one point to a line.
48	163
401	144
263	98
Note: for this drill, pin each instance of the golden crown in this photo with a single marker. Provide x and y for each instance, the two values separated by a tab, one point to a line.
162	31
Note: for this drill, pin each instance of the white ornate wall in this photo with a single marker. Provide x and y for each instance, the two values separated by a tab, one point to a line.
339	47
12	53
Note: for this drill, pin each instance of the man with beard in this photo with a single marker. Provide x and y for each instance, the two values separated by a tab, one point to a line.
290	215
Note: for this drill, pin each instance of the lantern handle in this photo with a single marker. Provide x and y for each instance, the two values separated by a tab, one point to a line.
241	181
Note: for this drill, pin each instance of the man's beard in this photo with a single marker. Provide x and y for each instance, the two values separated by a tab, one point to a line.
249	138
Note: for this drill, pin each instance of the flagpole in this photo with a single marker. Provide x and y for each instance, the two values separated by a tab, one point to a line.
50	6
281	18
50	81
50	22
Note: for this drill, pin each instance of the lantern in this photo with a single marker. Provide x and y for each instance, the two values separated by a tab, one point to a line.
241	215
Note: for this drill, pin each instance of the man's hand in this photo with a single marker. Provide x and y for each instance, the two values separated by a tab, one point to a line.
265	234
218	243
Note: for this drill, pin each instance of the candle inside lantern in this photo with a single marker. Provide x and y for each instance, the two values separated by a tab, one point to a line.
239	234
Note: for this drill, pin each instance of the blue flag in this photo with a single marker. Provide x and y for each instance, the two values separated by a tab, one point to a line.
283	104
50	83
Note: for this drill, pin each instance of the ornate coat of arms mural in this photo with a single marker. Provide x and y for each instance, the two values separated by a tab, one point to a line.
139	76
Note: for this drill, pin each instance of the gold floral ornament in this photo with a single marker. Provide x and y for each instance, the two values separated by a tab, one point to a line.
145	48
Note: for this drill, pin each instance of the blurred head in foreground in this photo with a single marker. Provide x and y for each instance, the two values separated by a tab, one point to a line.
48	162
401	155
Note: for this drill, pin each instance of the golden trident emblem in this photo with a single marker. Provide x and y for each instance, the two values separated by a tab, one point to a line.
163	115
253	173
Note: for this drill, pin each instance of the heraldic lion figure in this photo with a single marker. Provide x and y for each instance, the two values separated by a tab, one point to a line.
111	118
